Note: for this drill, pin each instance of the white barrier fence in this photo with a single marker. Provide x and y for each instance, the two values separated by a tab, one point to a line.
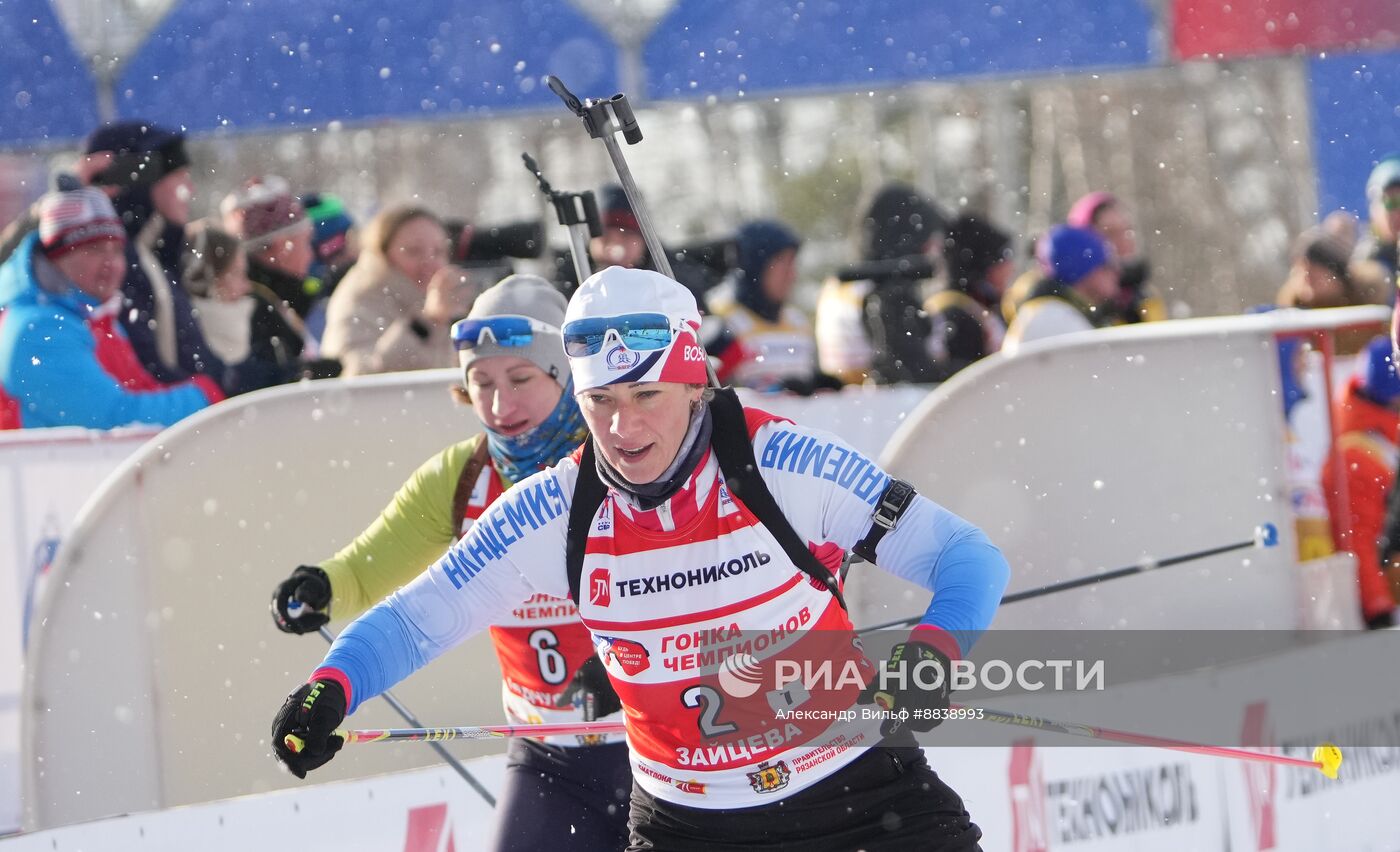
45	477
1036	795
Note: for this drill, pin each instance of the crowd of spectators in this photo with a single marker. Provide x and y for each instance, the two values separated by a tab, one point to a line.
282	285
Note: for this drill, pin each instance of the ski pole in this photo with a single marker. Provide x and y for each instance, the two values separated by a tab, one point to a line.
577	212
412	720
433	736
604	118
1265	535
1326	758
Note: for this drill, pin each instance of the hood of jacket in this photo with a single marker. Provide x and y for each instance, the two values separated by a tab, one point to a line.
19	281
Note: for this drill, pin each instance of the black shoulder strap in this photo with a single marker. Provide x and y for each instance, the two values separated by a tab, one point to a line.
589	492
466	482
734	449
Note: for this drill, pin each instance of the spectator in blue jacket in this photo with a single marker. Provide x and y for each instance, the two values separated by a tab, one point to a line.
64	358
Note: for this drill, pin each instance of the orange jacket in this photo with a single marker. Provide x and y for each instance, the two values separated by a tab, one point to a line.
1364	454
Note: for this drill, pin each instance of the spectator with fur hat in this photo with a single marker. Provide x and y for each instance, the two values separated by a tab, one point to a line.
1079	283
967	323
64	358
394	309
1358	482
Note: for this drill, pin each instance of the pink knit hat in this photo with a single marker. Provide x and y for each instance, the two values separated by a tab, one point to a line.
1082	214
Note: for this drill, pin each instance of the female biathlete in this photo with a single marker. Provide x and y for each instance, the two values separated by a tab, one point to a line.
698	539
517	379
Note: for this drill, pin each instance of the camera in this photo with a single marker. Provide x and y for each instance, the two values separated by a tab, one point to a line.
474	245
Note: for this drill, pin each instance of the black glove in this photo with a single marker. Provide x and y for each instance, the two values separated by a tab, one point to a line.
591	681
919	709
310	587
310	715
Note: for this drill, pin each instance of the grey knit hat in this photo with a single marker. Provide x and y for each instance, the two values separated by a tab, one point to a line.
526	296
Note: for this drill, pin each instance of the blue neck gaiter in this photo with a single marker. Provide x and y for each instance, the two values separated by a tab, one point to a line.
530	452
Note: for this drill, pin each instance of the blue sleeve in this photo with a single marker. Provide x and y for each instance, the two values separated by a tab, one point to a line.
475	584
967	573
376	651
829	491
54	374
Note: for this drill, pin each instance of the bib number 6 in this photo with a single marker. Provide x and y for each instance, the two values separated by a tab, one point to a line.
553	669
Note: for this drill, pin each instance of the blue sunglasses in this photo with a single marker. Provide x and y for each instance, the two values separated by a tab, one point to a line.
503	330
638	332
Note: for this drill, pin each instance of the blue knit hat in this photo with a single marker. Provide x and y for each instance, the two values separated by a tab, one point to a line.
1069	254
1379	378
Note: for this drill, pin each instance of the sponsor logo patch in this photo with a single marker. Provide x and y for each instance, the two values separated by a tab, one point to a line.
770	776
600	587
632	657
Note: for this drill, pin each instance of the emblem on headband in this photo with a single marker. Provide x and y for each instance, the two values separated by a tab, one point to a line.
621	358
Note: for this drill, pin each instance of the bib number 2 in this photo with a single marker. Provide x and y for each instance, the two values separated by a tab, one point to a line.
710	703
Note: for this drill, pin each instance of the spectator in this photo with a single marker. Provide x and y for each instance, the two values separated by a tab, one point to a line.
876	328
335	241
1319	276
622	243
1381	247
145	170
1080	280
1358	480
699	267
274	230
967	323
761	341
1103	212
216	275
246	323
394	309
64	360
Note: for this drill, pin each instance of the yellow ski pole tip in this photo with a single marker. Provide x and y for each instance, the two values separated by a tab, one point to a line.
1328	758
296	744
